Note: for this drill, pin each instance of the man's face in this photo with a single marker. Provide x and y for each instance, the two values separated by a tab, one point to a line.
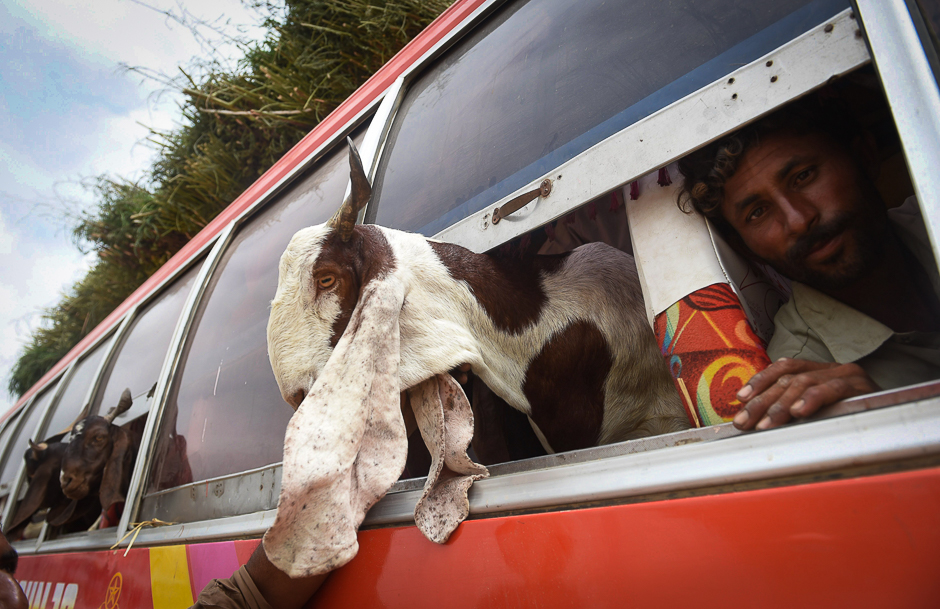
803	204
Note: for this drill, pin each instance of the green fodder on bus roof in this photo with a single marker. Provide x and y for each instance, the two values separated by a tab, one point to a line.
234	124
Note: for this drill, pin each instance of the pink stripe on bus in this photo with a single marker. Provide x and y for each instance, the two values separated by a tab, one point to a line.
210	561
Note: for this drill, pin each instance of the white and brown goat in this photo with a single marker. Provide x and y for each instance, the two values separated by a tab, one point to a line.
364	313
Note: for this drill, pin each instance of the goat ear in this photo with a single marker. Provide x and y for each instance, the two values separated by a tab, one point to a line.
35	495
445	420
62	513
37	449
346	443
112	478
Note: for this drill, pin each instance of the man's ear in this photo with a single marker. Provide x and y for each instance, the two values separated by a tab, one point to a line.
865	150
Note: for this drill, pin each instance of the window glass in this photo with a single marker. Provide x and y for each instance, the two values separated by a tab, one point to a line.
138	359
543	81
8	430
930	13
225	413
69	406
27	431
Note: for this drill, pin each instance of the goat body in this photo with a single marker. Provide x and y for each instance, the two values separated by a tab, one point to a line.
364	313
561	338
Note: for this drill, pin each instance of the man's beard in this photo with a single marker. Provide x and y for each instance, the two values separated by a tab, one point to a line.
845	267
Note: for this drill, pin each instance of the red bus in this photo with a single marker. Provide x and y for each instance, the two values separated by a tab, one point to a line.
603	97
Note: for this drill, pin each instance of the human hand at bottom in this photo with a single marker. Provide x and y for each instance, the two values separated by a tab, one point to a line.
797	388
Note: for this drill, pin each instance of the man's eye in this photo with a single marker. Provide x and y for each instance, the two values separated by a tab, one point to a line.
326	281
755	213
803	176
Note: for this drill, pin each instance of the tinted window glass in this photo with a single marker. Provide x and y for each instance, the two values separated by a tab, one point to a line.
138	359
8	430
225	413
542	81
26	432
69	407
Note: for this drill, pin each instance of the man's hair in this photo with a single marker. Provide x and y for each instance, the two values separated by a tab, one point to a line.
707	170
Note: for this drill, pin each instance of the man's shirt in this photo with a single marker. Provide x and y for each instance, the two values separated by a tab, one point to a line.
816	327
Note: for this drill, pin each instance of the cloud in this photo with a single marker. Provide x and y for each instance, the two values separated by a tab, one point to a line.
68	112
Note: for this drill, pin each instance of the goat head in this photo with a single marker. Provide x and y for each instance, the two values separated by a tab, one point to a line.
99	457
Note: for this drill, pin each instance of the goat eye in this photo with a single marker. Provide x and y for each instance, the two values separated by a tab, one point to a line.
326	281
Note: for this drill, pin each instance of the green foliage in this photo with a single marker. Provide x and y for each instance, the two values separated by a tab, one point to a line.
235	124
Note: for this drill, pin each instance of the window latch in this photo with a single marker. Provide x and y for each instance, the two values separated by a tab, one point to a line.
514	205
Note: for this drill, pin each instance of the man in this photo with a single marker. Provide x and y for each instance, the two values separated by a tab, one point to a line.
11	595
795	190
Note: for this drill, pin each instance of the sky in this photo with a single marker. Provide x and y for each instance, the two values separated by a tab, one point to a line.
68	113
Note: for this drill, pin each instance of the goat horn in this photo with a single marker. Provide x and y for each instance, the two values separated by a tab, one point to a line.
123	405
37	448
345	218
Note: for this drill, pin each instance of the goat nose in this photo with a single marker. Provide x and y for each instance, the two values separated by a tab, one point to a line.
296	398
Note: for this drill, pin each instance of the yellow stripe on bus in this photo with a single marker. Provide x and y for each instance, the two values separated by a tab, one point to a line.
169	578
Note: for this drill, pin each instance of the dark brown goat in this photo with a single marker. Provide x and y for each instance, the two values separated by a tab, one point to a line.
43	463
100	457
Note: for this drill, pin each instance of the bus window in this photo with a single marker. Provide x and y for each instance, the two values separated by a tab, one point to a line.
70	406
842	134
137	361
224	412
7	433
26	432
541	82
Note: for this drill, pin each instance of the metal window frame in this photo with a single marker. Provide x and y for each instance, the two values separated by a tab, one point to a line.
653	142
56	385
168	373
913	96
115	336
841	52
63	378
890	426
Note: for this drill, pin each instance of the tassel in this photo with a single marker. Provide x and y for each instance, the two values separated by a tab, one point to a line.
550	231
634	190
570	218
614	202
664	179
592	211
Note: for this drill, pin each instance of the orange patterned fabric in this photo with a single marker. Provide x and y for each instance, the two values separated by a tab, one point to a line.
711	351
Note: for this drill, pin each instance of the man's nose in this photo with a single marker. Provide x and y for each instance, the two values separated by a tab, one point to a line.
800	215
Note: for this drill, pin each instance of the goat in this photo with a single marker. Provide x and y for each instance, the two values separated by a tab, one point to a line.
99	457
362	313
43	461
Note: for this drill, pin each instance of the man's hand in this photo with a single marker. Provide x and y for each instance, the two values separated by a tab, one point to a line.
797	388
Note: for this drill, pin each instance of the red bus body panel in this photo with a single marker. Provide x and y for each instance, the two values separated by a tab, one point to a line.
863	542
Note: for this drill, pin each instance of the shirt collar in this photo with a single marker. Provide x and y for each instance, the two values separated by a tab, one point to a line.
848	334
